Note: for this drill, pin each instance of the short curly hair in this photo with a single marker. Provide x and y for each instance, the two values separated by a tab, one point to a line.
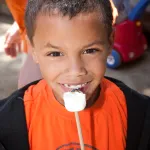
69	8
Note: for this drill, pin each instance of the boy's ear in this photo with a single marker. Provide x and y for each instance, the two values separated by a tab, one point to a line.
111	40
34	55
31	50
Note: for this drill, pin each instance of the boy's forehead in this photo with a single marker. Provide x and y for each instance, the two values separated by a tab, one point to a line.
58	21
85	27
56	16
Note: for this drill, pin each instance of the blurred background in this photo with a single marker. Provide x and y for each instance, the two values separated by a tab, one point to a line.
135	74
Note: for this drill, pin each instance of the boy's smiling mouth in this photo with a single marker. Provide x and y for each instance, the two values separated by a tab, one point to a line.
69	87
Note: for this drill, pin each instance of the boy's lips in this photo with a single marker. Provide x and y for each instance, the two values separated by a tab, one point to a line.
69	87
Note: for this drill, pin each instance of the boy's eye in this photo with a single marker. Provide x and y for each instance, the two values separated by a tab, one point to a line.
90	51
55	54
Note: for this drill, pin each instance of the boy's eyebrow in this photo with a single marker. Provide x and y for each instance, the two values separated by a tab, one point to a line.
50	45
94	43
86	46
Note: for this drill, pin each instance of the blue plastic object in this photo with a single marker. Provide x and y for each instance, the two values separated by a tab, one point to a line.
114	60
138	10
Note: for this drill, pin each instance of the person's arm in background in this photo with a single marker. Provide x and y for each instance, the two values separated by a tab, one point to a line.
115	11
15	36
123	7
17	8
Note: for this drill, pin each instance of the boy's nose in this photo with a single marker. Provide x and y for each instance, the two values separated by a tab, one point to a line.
77	68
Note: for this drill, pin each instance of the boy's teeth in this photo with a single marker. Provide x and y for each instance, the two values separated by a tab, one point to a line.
75	86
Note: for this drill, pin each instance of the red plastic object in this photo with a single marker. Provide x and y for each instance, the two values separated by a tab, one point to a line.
130	41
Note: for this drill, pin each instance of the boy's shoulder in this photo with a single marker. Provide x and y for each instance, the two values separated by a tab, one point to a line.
12	107
15	102
138	116
13	122
128	92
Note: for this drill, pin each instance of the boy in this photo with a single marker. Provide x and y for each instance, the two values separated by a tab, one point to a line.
70	41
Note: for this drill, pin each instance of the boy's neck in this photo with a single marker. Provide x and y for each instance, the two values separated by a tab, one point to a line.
94	97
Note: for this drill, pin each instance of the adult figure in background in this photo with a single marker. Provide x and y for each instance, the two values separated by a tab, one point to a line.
16	39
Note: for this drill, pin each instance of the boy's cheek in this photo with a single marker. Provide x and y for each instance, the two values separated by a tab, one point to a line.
110	46
99	66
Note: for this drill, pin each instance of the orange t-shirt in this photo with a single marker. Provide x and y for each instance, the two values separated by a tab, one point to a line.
52	127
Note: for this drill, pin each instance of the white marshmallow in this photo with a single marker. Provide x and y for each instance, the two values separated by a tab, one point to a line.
74	101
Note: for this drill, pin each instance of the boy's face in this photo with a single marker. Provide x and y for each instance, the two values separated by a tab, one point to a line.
71	53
